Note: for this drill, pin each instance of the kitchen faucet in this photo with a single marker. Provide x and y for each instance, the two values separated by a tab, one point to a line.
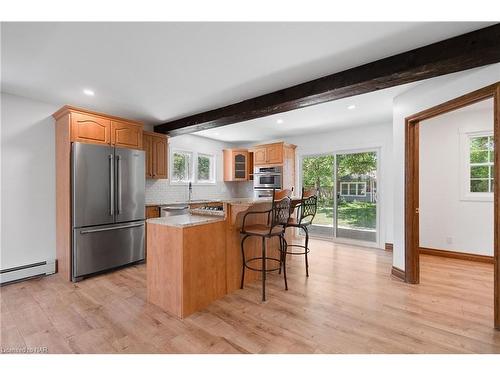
190	191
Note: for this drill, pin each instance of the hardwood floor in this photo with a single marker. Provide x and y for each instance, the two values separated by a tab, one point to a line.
349	304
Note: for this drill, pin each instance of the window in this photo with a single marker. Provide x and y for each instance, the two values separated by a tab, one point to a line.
481	168
187	166
354	189
181	166
205	169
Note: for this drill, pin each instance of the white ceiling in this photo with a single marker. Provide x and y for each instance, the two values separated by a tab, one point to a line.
157	72
371	109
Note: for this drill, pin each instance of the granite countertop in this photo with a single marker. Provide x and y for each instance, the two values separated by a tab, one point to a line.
184	221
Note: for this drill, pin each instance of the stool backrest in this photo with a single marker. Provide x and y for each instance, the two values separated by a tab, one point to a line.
280	211
308	205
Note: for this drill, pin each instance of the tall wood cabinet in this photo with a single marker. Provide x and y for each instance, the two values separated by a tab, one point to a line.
156	148
79	125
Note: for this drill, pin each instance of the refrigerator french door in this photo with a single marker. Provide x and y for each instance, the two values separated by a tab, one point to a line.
107	208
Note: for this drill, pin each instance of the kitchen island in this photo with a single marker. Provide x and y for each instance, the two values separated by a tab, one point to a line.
194	260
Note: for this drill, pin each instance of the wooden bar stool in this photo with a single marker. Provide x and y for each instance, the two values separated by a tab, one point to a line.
306	212
277	218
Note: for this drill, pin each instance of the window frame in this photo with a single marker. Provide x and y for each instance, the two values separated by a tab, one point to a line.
193	168
465	175
349	183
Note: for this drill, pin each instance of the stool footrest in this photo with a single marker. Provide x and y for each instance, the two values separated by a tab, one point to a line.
260	269
306	250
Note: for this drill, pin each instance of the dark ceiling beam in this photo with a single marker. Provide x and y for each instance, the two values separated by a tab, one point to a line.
467	51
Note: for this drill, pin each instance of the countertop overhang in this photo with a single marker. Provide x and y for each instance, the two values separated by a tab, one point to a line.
186	220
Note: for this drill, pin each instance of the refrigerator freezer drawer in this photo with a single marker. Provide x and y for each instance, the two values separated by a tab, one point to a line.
107	246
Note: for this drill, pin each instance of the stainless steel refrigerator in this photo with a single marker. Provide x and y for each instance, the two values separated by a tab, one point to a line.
108	216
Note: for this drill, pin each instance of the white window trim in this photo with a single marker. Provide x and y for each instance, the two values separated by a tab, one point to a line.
193	168
465	193
349	188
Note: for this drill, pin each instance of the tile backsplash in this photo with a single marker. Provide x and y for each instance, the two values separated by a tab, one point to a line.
160	191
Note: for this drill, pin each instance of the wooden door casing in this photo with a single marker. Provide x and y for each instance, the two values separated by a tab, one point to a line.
412	123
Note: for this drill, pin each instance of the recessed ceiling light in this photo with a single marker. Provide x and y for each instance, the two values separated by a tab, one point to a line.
352	106
88	92
279	121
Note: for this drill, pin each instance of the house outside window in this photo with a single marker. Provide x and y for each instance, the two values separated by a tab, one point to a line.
353	189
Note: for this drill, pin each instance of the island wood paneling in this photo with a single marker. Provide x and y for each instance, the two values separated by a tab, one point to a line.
186	268
165	267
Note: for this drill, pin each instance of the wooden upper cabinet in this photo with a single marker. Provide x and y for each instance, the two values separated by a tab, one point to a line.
268	154
88	128
156	147
98	128
274	153
125	134
260	156
147	143
235	165
159	157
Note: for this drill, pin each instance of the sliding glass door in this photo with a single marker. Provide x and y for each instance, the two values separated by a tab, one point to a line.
356	203
347	188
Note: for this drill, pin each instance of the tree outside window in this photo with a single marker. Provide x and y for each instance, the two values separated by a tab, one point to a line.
181	166
481	170
205	168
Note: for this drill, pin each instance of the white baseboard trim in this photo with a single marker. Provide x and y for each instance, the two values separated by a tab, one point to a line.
28	271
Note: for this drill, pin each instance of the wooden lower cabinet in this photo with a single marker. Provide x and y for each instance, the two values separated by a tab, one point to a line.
152	212
156	147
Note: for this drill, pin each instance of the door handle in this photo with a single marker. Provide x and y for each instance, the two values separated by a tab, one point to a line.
119	184
111	186
111	228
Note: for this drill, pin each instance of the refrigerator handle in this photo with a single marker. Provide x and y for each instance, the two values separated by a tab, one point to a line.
119	184
112	186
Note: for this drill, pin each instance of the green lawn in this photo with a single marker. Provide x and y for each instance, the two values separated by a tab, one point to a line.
351	214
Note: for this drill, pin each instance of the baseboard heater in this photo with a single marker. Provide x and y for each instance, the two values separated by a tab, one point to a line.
15	274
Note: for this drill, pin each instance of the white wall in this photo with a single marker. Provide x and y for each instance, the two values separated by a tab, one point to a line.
161	191
372	136
447	221
28	181
428	94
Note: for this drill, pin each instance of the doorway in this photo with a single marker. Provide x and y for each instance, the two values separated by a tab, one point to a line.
412	204
348	198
